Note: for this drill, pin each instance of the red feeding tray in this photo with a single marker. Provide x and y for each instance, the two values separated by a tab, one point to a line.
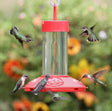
57	83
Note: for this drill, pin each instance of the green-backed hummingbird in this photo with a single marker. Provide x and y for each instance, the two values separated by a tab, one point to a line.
56	96
89	33
20	83
94	77
41	85
21	38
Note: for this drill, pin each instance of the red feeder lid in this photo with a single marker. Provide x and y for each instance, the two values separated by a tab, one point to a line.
57	83
55	26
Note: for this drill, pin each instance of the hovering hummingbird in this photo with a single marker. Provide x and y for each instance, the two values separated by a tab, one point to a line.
94	77
56	96
21	38
20	83
89	32
41	85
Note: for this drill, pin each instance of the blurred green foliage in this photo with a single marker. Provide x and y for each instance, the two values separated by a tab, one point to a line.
79	13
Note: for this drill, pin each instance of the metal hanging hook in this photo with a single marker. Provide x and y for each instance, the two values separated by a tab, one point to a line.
52	3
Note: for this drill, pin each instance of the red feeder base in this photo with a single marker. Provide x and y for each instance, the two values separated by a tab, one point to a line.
57	83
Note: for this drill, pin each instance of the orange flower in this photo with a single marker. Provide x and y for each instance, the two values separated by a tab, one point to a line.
37	20
74	46
18	106
26	103
23	105
87	96
8	68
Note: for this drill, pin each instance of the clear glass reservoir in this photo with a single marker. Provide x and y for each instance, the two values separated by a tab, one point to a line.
55	53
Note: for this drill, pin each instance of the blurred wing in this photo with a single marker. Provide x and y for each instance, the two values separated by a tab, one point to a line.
63	98
84	33
20	41
98	74
93	27
52	94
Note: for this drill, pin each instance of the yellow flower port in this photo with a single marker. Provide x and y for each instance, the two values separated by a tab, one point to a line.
40	106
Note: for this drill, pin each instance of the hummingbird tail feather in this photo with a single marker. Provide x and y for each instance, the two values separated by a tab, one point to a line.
12	31
16	29
13	91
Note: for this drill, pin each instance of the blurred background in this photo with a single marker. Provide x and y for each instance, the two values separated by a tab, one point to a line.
83	57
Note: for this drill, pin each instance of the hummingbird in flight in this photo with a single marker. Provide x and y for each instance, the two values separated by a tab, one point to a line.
56	96
94	77
89	33
41	85
21	38
20	83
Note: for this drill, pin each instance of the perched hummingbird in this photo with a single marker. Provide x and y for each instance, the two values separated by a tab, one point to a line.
94	77
89	32
56	96
41	85
20	83
21	38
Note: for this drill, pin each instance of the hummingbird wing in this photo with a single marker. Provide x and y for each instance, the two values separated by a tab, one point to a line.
63	98
18	84
52	94
92	27
84	33
20	41
99	73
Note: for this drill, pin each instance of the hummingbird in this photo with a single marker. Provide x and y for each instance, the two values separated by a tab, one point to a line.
94	77
21	38
56	96
20	83
89	32
41	85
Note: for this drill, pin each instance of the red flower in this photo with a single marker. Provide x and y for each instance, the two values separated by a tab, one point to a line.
8	68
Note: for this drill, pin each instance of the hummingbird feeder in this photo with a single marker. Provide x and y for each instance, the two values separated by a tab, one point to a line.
55	58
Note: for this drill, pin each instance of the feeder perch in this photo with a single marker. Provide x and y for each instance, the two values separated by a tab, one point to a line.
55	58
